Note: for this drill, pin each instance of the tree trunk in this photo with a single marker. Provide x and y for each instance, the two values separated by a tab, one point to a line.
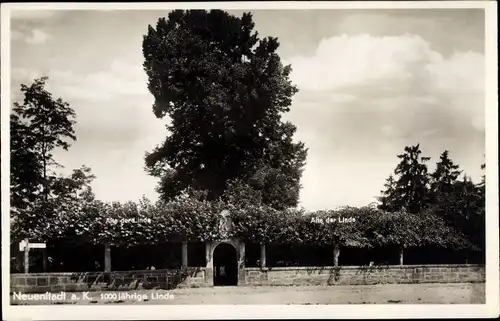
336	254
401	252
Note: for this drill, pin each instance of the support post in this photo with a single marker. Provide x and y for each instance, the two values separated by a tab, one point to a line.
208	259
44	253
209	271
262	254
241	262
336	253
184	255
107	257
26	257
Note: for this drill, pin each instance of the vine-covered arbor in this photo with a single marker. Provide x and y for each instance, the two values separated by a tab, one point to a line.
224	239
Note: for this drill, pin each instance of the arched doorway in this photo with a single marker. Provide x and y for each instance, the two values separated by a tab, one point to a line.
225	265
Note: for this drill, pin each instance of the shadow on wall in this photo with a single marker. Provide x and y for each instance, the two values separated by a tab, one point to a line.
334	272
367	274
365	271
99	281
132	280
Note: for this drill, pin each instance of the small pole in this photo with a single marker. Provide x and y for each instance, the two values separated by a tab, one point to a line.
26	256
107	257
184	255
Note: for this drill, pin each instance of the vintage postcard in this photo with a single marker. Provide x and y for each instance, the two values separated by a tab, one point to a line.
249	160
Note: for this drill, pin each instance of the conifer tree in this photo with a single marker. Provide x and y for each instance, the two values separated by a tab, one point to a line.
410	188
443	178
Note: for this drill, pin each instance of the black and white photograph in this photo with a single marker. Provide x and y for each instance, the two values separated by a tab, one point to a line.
332	157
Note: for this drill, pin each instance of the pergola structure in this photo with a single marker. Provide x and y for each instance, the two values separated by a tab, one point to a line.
225	257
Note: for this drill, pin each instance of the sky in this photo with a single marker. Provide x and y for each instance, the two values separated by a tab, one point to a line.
370	83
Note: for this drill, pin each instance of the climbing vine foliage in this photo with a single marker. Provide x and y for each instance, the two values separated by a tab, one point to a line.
190	219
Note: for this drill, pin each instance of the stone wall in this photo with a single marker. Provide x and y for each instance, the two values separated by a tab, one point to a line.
106	281
201	277
355	275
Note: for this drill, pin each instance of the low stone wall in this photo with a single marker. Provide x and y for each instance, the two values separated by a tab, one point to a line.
201	277
106	281
356	275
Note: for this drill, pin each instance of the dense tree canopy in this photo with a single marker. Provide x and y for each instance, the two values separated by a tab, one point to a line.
26	171
49	124
38	125
224	91
188	219
452	206
464	209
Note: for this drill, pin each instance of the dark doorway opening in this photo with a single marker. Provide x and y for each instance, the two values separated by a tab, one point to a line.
225	265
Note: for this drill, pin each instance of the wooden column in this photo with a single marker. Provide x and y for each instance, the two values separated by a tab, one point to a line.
184	255
107	257
262	254
336	253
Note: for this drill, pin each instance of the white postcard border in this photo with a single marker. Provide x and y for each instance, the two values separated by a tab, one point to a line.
57	312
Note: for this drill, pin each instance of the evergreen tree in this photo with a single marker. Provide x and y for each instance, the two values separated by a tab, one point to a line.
443	178
387	201
464	209
411	189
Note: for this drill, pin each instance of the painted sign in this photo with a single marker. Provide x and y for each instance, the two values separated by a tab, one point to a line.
37	245
23	244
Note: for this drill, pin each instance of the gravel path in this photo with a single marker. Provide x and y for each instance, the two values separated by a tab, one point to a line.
461	293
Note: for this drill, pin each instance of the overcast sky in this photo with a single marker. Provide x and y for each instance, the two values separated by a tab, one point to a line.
371	82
